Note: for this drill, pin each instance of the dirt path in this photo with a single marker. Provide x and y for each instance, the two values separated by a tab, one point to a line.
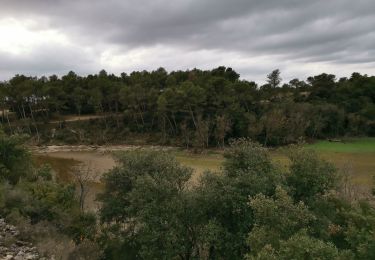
93	148
73	118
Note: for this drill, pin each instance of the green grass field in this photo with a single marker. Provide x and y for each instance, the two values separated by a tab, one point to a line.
357	145
355	156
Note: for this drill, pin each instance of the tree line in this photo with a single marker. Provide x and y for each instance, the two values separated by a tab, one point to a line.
193	108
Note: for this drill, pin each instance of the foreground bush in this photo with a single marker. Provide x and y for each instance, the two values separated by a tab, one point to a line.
150	210
249	209
14	158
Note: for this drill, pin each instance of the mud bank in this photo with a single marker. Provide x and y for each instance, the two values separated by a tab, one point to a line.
92	148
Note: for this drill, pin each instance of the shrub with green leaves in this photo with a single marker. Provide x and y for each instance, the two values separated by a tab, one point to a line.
14	158
309	176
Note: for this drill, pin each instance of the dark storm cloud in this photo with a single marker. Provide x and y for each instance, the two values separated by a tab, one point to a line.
335	31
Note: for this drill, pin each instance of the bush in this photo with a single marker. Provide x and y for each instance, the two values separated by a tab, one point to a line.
14	158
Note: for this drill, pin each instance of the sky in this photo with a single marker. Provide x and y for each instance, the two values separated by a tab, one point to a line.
300	37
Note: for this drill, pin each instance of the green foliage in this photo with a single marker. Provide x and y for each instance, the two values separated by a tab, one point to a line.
144	204
14	159
82	227
44	210
302	246
309	175
244	156
150	209
52	194
276	219
45	172
326	227
224	197
248	165
223	210
360	230
152	212
40	200
193	108
37	197
135	169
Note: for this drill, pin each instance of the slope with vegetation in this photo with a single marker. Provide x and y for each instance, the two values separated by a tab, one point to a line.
188	108
251	209
44	211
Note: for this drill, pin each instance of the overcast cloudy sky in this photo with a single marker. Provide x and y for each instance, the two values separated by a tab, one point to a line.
300	37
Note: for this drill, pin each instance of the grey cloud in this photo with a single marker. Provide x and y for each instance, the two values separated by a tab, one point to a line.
44	60
336	31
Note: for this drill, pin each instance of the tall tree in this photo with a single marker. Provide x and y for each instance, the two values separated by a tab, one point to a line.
274	79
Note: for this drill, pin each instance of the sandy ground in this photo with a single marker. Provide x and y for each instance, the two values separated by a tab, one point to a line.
98	159
97	162
66	160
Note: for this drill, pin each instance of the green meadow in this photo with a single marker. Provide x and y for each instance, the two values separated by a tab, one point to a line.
355	157
357	145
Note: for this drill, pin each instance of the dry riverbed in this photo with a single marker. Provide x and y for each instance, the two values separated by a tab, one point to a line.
98	159
65	159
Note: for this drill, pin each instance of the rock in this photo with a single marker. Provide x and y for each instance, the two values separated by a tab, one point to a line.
18	249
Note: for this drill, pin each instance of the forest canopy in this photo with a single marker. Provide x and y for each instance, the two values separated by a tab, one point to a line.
193	108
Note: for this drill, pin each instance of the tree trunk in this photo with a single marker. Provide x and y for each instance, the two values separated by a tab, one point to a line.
10	127
24	116
34	122
82	196
192	117
116	115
